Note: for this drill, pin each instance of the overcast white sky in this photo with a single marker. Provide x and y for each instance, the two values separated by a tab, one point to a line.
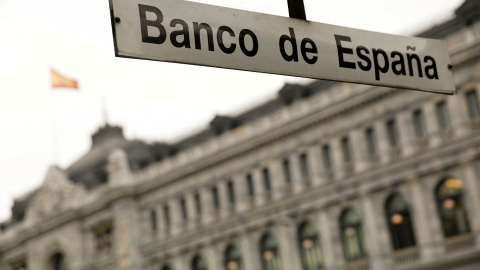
151	100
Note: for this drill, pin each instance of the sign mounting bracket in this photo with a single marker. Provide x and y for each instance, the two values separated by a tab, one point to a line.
296	9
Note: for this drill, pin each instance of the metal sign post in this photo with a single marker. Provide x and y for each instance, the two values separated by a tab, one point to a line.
296	9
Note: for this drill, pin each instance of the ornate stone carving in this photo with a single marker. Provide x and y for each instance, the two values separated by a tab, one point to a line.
56	194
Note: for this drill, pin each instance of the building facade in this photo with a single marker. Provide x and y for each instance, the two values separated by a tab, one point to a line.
325	176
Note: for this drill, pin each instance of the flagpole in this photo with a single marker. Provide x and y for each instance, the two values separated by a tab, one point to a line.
104	110
53	130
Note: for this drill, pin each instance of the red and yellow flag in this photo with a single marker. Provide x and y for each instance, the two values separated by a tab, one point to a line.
60	81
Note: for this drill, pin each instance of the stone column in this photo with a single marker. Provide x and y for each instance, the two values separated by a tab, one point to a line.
359	151
288	244
297	177
406	133
376	235
472	200
207	204
180	262
458	111
125	217
337	158
210	256
193	218
383	144
423	210
315	165
176	216
162	223
330	240
241	192
259	187
277	179
225	205
249	246
433	129
126	236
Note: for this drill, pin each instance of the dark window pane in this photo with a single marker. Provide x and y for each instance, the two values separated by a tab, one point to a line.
472	103
451	208
269	253
251	190
419	124
166	214
153	220
198	203
233	260
286	170
442	115
266	179
216	199
399	222
392	132
352	235
231	192
371	141
347	154
310	251
304	165
327	160
183	207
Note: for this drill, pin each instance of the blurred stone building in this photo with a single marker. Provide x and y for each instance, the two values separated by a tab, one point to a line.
325	176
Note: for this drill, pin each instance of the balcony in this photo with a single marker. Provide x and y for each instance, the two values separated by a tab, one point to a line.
421	143
446	135
363	264
405	255
460	242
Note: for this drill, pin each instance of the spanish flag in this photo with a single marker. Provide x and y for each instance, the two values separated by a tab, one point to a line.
60	81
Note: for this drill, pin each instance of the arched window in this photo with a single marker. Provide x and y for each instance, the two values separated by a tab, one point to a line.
451	208
198	263
269	251
166	267
352	235
399	222
311	254
233	259
57	262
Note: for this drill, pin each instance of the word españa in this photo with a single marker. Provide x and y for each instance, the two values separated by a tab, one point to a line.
398	63
375	58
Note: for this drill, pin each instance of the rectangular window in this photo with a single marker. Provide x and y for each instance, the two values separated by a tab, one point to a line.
216	199
231	192
251	191
419	124
304	164
19	264
183	207
392	132
326	156
347	154
472	104
371	138
166	215
442	115
198	203
104	236
286	170
153	220
266	179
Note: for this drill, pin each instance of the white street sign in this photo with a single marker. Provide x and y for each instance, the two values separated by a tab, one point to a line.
199	34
